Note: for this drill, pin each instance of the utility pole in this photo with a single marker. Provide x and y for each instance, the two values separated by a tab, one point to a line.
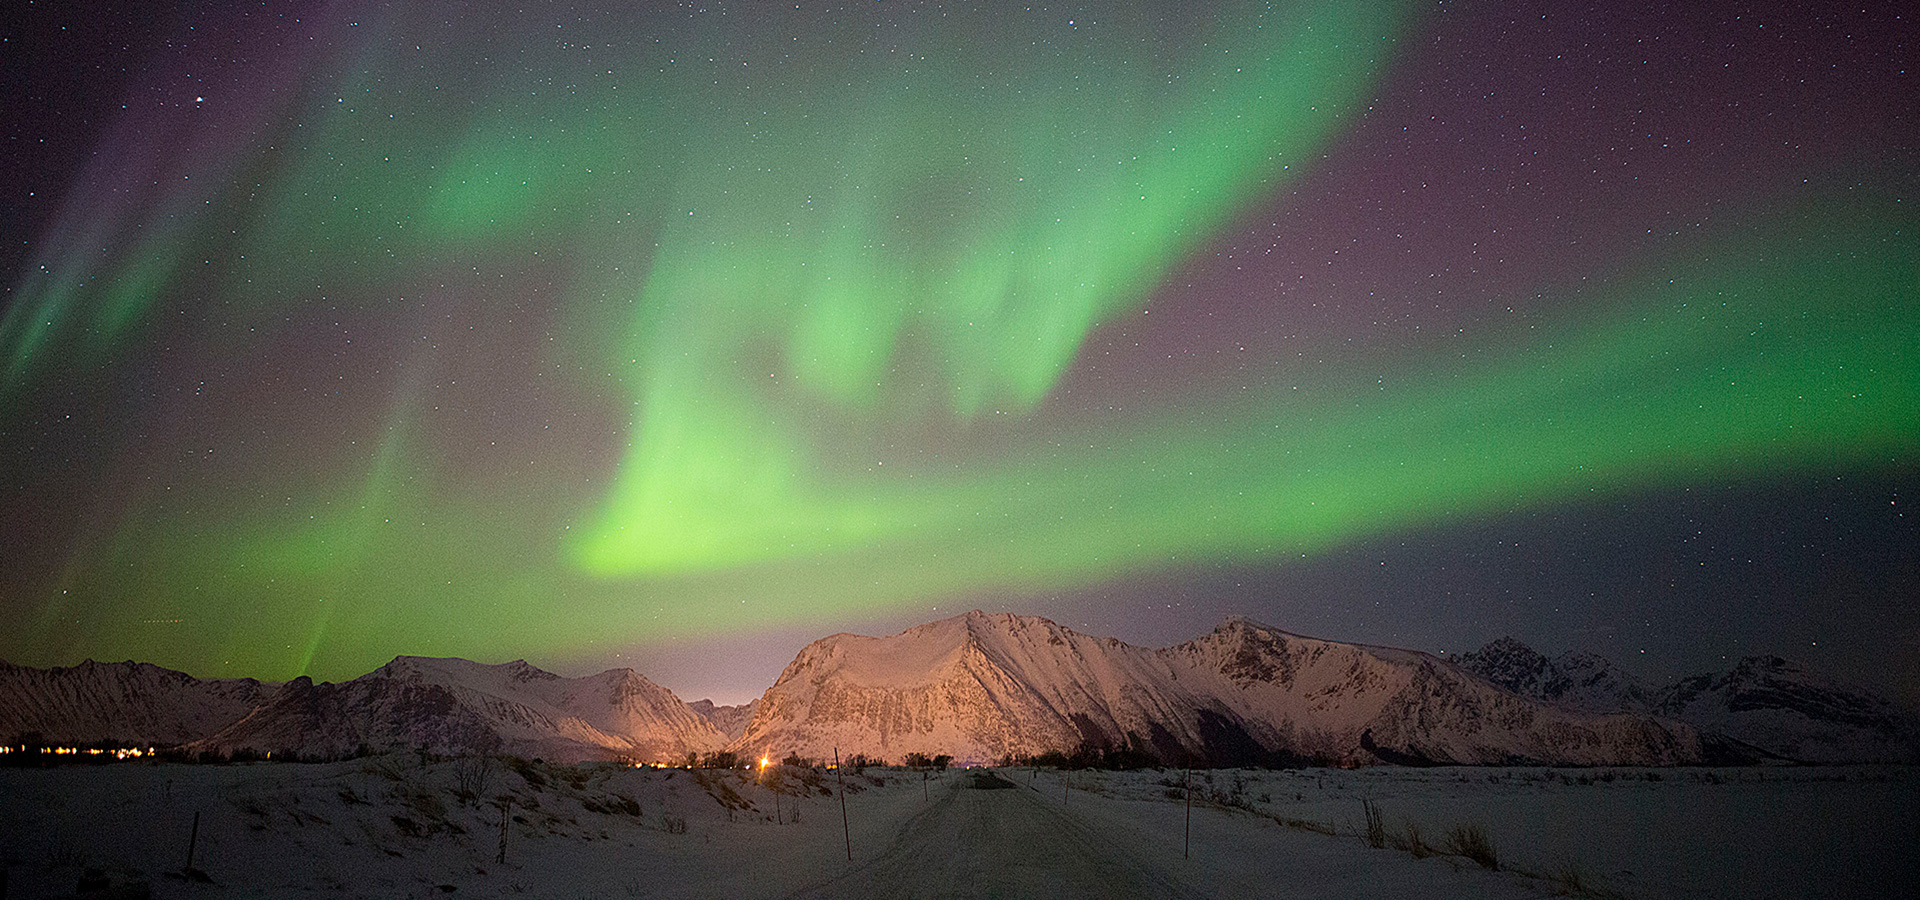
1186	852
841	781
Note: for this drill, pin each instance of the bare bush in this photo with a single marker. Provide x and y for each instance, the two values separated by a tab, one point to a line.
1570	878
1376	824
1472	842
1326	828
1415	844
471	777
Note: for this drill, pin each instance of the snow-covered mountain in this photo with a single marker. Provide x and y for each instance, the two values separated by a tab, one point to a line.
979	687
1404	705
127	702
457	706
1782	708
1767	703
1576	680
982	686
730	720
975	687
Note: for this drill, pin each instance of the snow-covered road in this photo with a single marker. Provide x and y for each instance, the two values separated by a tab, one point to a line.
986	837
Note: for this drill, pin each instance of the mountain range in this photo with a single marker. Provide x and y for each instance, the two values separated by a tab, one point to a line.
1777	707
984	687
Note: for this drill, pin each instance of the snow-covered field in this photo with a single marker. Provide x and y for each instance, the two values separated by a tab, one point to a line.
398	827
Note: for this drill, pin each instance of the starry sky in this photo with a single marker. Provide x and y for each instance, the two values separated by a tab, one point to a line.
676	335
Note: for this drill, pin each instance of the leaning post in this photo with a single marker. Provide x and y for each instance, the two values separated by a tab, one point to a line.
506	807
193	839
1186	851
841	781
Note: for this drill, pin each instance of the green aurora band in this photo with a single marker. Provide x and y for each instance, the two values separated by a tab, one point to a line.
817	293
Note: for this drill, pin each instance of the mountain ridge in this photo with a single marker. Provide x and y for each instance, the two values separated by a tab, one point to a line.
1242	693
1780	708
984	687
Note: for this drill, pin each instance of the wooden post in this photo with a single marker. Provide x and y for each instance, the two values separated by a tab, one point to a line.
841	781
506	809
1186	852
193	840
1067	777
923	786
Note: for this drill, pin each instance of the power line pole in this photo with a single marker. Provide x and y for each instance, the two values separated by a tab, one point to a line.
1186	852
841	781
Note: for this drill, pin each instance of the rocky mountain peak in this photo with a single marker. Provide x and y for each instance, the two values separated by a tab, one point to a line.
1507	662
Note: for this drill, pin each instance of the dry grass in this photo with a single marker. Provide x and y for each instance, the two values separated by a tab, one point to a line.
1376	832
1412	841
1325	828
1570	880
1472	842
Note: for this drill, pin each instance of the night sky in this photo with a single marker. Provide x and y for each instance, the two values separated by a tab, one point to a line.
675	336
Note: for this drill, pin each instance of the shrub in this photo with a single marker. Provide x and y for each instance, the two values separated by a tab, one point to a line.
1472	842
471	776
1569	877
528	772
1376	824
1414	843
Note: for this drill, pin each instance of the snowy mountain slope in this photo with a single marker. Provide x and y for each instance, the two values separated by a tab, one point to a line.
457	706
974	686
730	720
1319	698
1767	703
980	686
1782	708
1582	681
128	702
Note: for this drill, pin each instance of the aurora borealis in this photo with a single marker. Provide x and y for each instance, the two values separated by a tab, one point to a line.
607	334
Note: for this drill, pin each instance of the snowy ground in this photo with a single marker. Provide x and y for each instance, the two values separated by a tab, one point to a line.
395	827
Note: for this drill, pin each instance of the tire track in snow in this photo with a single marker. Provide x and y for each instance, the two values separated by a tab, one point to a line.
974	843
